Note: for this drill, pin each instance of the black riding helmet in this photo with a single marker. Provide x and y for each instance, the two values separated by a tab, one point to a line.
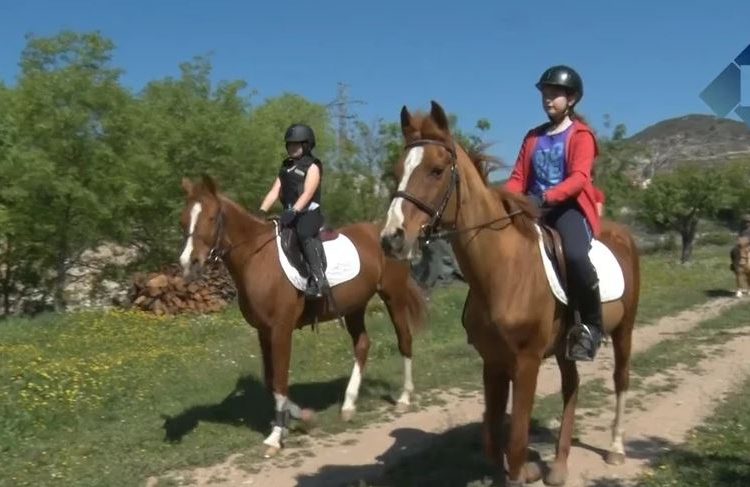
300	133
563	76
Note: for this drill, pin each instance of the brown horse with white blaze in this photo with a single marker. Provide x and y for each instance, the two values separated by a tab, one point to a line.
217	227
511	316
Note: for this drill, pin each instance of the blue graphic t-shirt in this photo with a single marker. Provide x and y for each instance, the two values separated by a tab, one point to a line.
548	162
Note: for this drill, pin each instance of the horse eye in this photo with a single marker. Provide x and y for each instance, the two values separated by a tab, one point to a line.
437	171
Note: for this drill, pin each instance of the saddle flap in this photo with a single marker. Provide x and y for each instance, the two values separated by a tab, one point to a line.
554	248
290	246
611	277
342	261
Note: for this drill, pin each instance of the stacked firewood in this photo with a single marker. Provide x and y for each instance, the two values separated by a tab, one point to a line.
168	293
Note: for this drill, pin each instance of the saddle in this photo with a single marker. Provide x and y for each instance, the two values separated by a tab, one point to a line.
327	233
293	251
554	249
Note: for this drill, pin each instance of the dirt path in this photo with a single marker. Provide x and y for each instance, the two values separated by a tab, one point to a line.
665	422
369	450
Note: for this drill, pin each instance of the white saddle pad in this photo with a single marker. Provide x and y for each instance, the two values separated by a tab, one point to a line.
611	280
341	255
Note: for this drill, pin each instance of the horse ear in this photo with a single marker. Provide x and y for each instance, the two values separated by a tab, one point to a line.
187	185
405	118
407	128
210	184
438	115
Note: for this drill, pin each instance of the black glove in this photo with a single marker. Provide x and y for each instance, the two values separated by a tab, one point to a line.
287	217
537	200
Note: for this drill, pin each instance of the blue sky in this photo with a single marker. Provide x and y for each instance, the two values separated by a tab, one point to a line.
642	61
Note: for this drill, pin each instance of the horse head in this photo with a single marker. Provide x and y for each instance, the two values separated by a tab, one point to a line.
428	181
201	221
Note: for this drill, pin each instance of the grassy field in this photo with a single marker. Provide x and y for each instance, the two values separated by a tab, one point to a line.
109	398
718	453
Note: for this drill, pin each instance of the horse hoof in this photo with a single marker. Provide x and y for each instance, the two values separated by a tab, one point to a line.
402	407
271	452
557	475
532	472
615	458
347	414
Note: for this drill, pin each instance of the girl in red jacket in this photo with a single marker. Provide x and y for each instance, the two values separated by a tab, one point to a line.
554	169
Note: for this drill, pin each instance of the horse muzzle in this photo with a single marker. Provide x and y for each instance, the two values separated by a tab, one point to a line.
396	246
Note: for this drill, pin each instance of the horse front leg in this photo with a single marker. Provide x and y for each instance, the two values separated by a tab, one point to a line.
496	389
355	325
279	344
524	388
558	472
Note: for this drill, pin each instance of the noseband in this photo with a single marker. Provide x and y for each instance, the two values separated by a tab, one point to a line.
216	253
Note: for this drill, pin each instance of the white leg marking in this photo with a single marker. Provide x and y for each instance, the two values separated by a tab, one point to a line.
408	384
278	433
395	212
617	430
195	211
352	390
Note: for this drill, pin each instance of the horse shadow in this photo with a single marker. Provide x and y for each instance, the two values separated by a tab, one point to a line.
250	405
455	458
710	468
718	293
418	458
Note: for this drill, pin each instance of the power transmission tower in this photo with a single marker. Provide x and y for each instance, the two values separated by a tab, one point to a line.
340	108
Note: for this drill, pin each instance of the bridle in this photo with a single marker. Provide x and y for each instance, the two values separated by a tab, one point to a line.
429	231
217	251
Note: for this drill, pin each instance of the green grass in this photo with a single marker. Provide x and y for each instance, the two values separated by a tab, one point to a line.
668	287
689	348
717	453
110	398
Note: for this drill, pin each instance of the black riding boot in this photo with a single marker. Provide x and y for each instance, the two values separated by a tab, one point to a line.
585	337
318	283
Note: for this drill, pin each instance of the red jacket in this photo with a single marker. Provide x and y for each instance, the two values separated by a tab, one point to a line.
580	152
599	196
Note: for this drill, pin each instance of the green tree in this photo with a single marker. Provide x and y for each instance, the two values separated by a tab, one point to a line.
70	180
677	201
182	127
738	191
615	167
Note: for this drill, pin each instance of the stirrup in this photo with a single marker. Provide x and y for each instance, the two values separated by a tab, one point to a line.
582	343
313	292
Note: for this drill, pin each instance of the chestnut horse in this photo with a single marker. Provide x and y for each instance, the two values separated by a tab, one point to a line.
216	227
740	264
511	316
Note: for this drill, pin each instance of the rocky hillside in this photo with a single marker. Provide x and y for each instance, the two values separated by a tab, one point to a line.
691	138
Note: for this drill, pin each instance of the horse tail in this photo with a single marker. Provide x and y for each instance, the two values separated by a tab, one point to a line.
635	268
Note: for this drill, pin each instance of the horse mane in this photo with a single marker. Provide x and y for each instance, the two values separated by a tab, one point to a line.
511	202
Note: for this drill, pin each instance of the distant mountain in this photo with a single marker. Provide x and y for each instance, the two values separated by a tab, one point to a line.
691	138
